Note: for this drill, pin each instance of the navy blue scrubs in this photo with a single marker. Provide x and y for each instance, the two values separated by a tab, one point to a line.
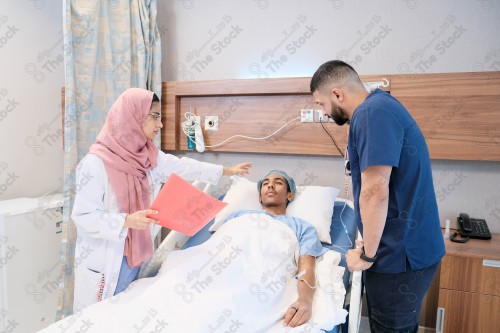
383	133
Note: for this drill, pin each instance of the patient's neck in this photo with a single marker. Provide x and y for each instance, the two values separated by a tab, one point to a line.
275	210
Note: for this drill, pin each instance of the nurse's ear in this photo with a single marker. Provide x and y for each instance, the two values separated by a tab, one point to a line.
337	94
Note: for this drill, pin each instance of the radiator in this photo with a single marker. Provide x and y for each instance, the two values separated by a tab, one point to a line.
30	245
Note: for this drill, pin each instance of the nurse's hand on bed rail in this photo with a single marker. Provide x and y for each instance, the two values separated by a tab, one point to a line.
353	259
139	220
238	169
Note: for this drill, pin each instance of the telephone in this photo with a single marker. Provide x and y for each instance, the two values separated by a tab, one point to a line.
471	228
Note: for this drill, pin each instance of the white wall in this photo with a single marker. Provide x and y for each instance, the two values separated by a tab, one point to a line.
32	74
391	37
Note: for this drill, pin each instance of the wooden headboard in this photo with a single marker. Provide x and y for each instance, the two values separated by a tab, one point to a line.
459	114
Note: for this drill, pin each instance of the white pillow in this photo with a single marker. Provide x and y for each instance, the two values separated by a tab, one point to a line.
241	195
313	204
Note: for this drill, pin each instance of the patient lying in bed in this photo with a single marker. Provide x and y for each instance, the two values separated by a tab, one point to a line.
255	274
276	190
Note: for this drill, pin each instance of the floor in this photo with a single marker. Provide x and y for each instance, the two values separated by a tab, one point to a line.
364	327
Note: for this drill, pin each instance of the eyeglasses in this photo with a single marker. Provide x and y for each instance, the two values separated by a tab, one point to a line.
156	116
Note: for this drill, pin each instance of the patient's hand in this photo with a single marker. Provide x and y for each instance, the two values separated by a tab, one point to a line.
139	220
300	312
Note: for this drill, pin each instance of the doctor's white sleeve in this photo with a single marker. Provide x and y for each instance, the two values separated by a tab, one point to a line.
187	168
90	214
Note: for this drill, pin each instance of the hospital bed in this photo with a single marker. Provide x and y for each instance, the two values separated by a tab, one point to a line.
343	233
259	260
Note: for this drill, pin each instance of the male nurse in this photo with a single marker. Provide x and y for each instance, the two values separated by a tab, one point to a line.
394	198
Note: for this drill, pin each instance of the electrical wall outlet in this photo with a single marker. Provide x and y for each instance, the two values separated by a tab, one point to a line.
211	123
306	116
319	117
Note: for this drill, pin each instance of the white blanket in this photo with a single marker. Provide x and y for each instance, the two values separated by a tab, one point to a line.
240	280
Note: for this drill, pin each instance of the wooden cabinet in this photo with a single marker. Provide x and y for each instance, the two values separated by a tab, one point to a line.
469	287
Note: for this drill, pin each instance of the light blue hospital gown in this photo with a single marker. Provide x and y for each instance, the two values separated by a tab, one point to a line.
307	236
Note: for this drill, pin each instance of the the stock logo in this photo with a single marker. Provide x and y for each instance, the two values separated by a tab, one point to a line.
9	254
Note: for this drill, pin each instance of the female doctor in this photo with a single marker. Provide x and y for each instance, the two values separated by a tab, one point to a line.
118	179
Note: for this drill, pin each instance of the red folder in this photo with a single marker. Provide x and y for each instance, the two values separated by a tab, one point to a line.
183	207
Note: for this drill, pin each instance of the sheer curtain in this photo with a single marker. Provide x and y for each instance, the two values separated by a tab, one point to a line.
109	46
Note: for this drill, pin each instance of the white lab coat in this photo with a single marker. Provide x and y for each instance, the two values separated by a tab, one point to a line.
100	233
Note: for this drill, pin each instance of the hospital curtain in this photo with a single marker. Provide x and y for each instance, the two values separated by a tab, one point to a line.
109	46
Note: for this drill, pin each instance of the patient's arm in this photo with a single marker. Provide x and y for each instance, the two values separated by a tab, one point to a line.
304	303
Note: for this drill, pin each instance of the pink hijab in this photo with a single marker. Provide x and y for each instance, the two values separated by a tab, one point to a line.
128	155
